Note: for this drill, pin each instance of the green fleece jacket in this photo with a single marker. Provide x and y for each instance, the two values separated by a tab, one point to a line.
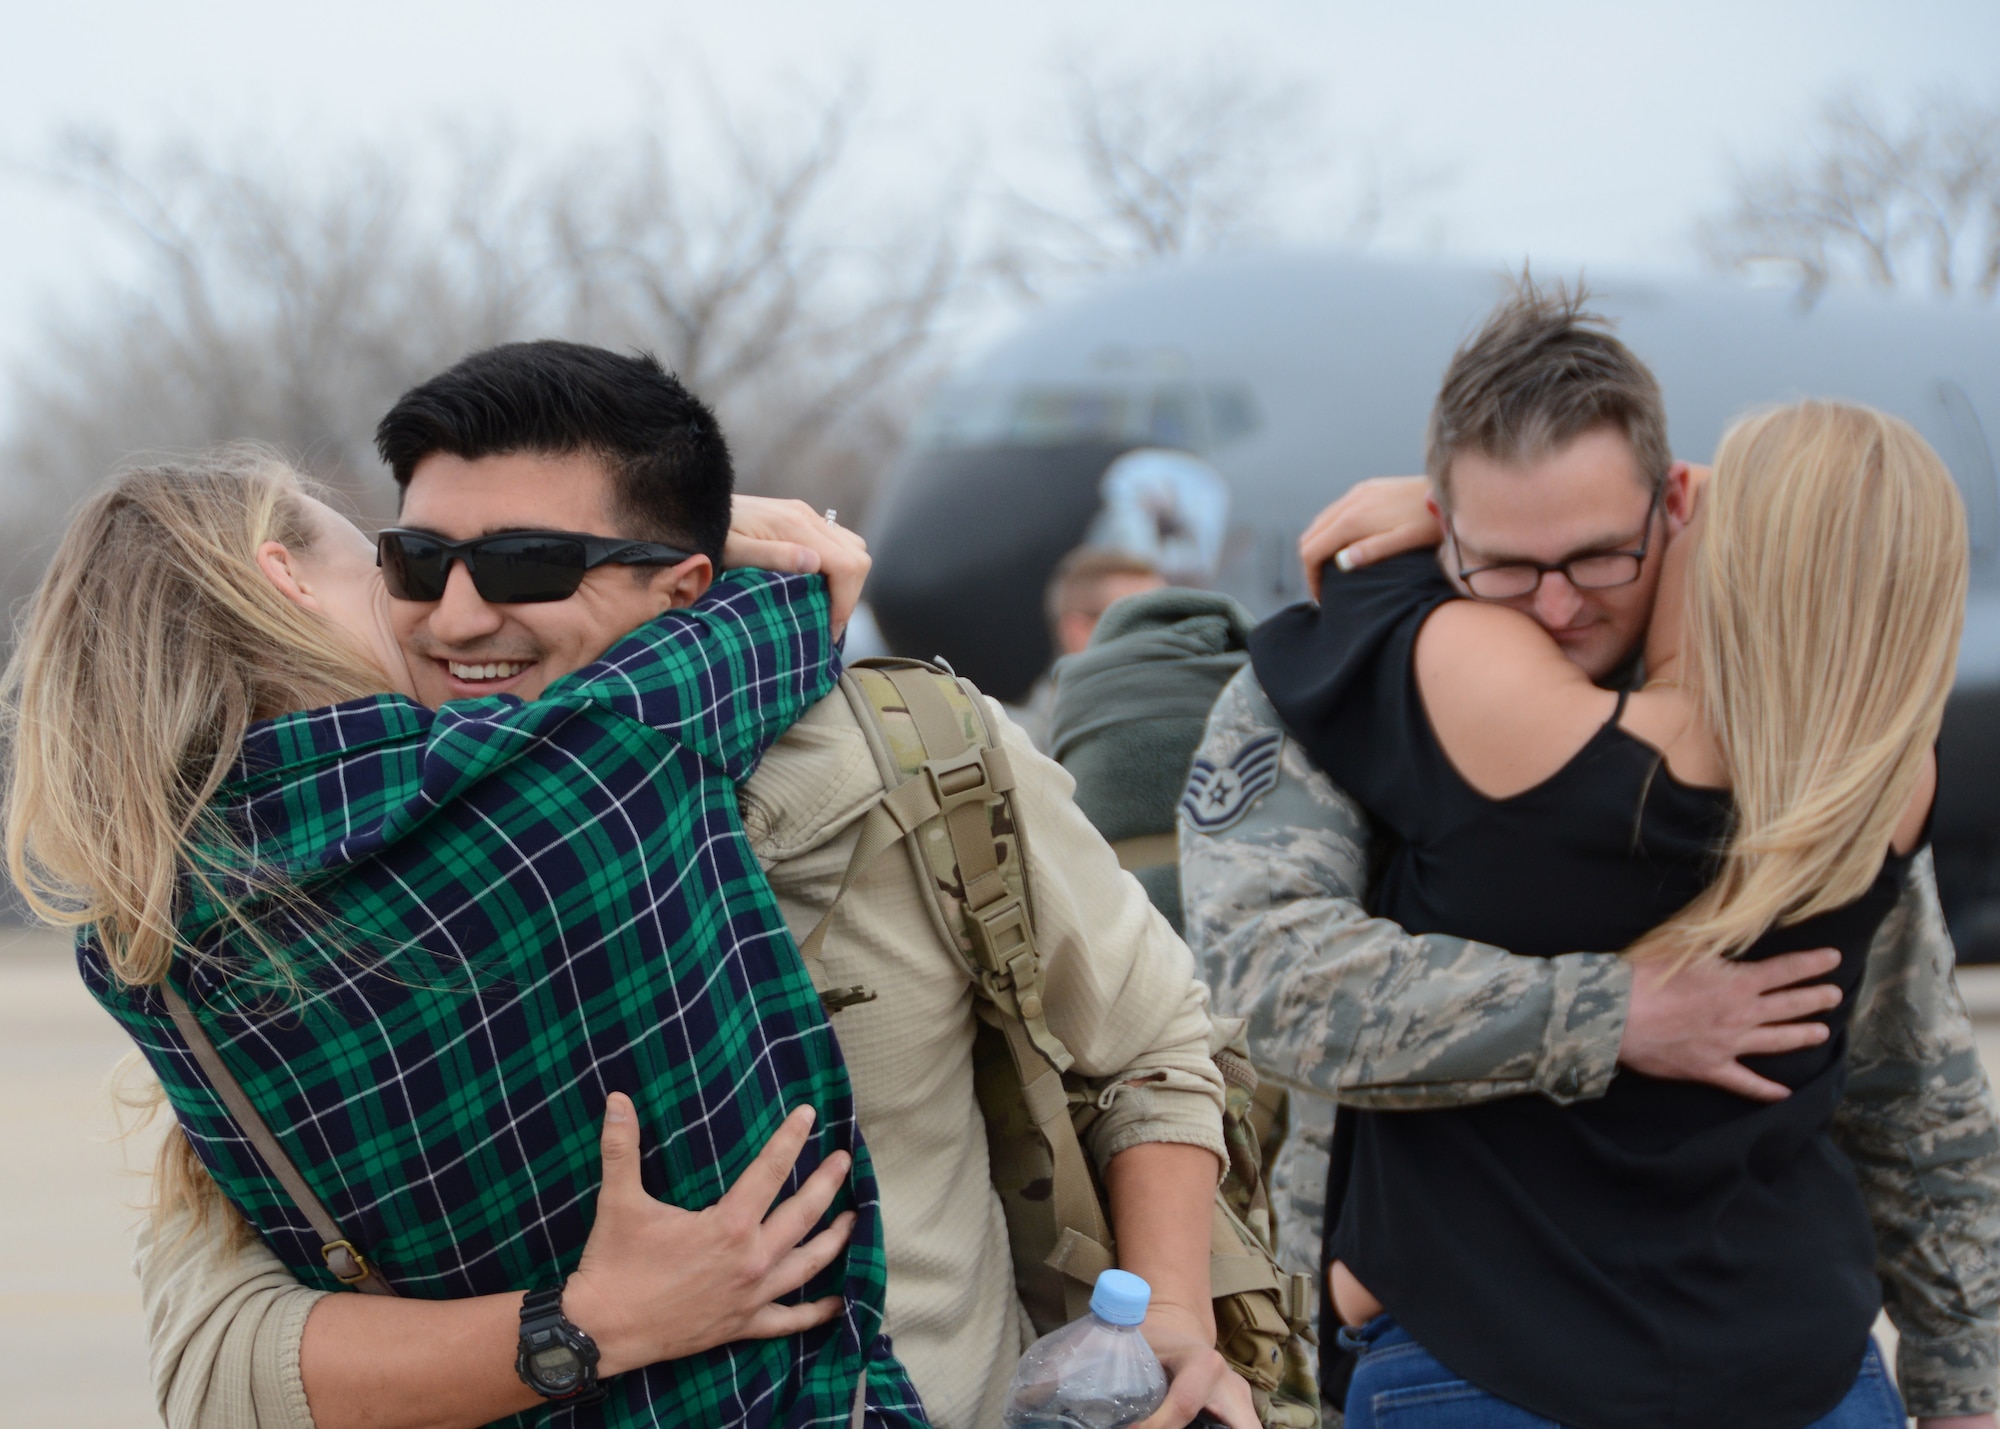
1130	710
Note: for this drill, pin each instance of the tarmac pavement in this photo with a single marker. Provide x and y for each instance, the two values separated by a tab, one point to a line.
72	1339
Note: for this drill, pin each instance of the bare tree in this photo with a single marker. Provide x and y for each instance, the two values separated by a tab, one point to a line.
1172	161
1167	163
264	310
1914	205
273	308
804	321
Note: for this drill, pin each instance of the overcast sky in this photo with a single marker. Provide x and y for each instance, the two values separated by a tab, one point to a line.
1566	130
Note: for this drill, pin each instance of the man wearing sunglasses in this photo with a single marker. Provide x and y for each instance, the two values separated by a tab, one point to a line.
1552	490
546	511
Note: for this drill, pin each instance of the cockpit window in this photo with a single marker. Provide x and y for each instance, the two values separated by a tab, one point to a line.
1173	421
1068	414
1231	414
1182	416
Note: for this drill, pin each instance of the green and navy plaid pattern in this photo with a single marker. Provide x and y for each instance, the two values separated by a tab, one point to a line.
501	912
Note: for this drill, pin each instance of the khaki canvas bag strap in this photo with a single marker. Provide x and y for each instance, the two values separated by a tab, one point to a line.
901	812
907	806
346	1262
959	782
970	779
969	821
1003	939
1083	1248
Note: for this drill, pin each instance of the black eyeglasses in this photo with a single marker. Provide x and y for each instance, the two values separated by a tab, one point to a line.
514	568
1599	570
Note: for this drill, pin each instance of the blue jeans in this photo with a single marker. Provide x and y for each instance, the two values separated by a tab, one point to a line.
1398	1385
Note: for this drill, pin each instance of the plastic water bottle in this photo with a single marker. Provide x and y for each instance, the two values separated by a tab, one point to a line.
1093	1373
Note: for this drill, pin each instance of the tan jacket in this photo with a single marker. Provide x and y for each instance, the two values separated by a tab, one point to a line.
225	1326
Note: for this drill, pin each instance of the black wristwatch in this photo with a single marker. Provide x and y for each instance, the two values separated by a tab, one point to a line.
556	1359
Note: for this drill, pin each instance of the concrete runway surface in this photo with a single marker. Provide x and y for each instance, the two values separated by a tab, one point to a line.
72	1342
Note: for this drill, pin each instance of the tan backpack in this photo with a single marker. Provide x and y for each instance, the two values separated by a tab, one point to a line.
949	804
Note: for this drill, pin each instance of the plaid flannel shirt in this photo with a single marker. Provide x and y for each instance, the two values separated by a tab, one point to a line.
501	912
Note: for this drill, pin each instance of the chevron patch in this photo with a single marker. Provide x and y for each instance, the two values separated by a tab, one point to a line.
1217	797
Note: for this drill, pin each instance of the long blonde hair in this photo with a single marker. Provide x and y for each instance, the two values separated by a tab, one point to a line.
151	643
1824	604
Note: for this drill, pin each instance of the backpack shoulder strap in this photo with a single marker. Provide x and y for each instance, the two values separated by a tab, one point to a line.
948	784
949	802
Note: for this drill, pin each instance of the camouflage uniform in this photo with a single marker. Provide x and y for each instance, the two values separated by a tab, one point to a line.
1341	1005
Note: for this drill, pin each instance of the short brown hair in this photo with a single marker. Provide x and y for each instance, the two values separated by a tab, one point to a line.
1540	372
1071	586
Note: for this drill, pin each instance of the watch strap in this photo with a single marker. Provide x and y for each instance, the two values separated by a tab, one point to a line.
544	1301
541	1313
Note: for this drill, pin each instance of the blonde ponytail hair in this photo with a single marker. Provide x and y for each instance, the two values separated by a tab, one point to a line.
151	643
1825	601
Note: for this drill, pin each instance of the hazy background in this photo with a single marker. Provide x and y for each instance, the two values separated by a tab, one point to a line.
1571	131
1577	134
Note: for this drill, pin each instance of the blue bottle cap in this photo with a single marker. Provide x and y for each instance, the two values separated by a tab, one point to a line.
1120	1297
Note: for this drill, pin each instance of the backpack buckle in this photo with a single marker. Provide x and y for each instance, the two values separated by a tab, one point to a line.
959	779
1000	934
1003	946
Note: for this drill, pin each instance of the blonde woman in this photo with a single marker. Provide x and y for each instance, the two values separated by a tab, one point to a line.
1670	1255
198	625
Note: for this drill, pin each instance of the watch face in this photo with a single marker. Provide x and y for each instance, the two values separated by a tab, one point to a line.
557	1367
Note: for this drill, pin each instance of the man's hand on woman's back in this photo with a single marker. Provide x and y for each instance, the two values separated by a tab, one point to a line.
657	1282
1696	1023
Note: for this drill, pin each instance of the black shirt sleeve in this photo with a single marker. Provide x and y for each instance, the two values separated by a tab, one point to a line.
1341	677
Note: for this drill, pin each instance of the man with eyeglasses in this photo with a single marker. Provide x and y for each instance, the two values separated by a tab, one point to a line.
1551	489
554	498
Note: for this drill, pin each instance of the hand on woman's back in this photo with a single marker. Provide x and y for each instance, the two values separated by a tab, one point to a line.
657	1282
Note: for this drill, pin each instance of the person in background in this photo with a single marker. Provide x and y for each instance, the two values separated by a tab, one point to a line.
1087	582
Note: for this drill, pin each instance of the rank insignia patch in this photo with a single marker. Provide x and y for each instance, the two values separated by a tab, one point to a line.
1218	797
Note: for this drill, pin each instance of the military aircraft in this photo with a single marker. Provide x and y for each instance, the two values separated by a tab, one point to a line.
1289	377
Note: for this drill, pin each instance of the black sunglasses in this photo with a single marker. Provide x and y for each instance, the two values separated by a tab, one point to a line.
514	568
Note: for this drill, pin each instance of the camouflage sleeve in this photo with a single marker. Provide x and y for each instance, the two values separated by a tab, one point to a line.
1919	1124
1273	867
